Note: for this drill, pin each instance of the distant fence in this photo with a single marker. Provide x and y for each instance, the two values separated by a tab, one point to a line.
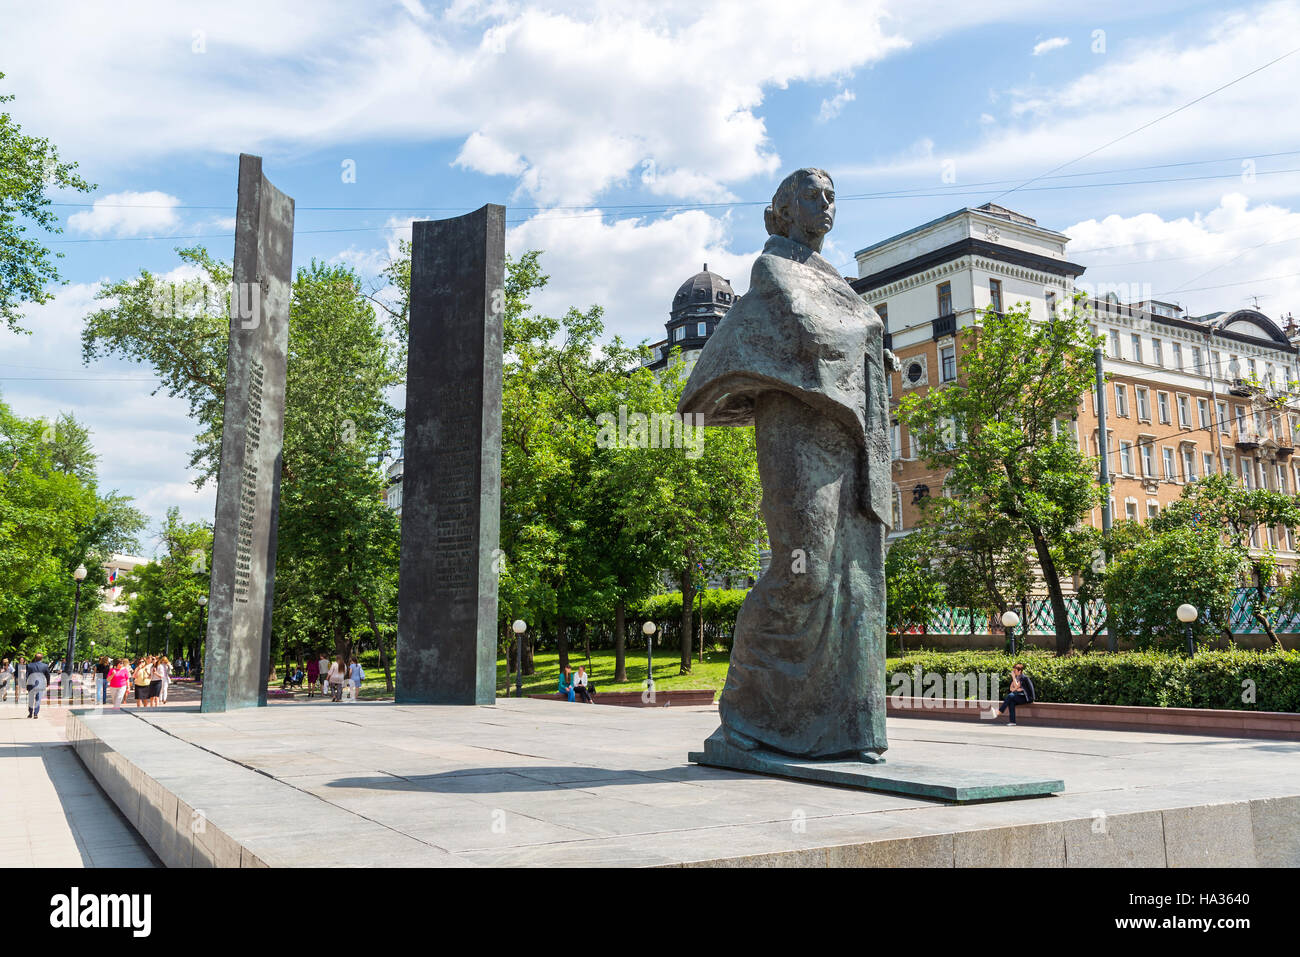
1039	620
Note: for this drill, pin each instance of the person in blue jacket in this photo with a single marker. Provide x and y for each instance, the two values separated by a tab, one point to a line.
566	683
1021	692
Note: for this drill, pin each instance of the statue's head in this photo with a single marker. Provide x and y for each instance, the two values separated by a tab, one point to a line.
803	208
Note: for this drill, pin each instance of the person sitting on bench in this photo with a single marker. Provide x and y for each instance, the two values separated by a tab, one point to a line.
1022	692
581	686
566	683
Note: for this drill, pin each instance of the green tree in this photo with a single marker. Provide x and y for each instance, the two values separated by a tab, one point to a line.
1002	432
29	167
1240	516
912	587
1157	571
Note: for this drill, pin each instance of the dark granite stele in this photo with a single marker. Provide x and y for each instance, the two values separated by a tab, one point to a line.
914	780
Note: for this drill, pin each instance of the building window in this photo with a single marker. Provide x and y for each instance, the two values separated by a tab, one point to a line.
1225	422
948	363
1247	473
1126	458
1137	347
1143	402
679	334
1168	455
1281	477
1216	364
1121	399
945	299
1177	355
1162	400
1184	412
702	329
1203	412
1153	509
995	294
1189	466
1148	460
1196	359
1207	463
1114	345
1130	510
1157	353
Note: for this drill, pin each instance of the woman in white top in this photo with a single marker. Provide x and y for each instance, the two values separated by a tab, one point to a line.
337	675
165	669
581	689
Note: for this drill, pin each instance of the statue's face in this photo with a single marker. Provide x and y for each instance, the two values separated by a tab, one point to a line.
812	213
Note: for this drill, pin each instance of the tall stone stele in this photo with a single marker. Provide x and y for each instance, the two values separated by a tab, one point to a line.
801	358
451	483
237	662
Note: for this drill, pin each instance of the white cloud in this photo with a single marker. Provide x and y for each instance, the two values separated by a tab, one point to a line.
1206	262
143	440
1039	127
1050	44
570	99
832	107
128	214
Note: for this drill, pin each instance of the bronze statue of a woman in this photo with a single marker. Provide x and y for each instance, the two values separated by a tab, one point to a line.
800	357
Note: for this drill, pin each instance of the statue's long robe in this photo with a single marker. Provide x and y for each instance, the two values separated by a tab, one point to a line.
800	356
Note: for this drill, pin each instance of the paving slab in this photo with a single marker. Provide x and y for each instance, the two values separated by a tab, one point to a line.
532	783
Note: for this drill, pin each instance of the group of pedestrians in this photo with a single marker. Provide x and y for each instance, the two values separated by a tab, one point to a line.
340	677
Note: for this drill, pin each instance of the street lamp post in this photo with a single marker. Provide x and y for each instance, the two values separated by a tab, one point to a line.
148	636
648	629
519	627
1009	621
1187	614
137	642
80	576
167	647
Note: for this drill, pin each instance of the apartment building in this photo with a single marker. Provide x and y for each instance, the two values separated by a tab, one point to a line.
1186	395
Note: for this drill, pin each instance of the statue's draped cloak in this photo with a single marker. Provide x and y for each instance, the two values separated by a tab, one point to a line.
800	356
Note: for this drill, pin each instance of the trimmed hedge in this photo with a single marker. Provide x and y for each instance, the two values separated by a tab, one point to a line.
1212	679
718	607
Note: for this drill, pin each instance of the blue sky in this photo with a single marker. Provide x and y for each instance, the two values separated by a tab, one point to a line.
631	142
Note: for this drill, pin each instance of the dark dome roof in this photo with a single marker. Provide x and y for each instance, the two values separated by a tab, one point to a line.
702	287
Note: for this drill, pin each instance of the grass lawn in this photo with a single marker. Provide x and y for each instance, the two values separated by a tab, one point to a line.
710	673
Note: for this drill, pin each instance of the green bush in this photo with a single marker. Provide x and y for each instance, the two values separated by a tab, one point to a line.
717	606
1211	679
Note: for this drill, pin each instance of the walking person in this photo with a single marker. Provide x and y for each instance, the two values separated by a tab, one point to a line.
358	675
38	679
165	669
155	682
102	668
336	676
140	681
6	679
323	668
1021	692
118	678
313	677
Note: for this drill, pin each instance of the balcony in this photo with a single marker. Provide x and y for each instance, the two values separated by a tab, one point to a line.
1248	439
1243	389
945	326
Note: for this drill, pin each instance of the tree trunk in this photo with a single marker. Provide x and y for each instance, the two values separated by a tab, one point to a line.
1261	617
1060	617
383	654
586	644
530	667
562	641
688	597
620	641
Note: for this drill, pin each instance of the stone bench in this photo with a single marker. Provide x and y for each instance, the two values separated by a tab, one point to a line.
692	697
1108	717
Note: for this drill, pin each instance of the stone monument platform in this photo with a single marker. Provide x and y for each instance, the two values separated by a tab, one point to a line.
535	783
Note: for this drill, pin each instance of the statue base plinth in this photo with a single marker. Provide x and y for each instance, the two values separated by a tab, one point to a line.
915	780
